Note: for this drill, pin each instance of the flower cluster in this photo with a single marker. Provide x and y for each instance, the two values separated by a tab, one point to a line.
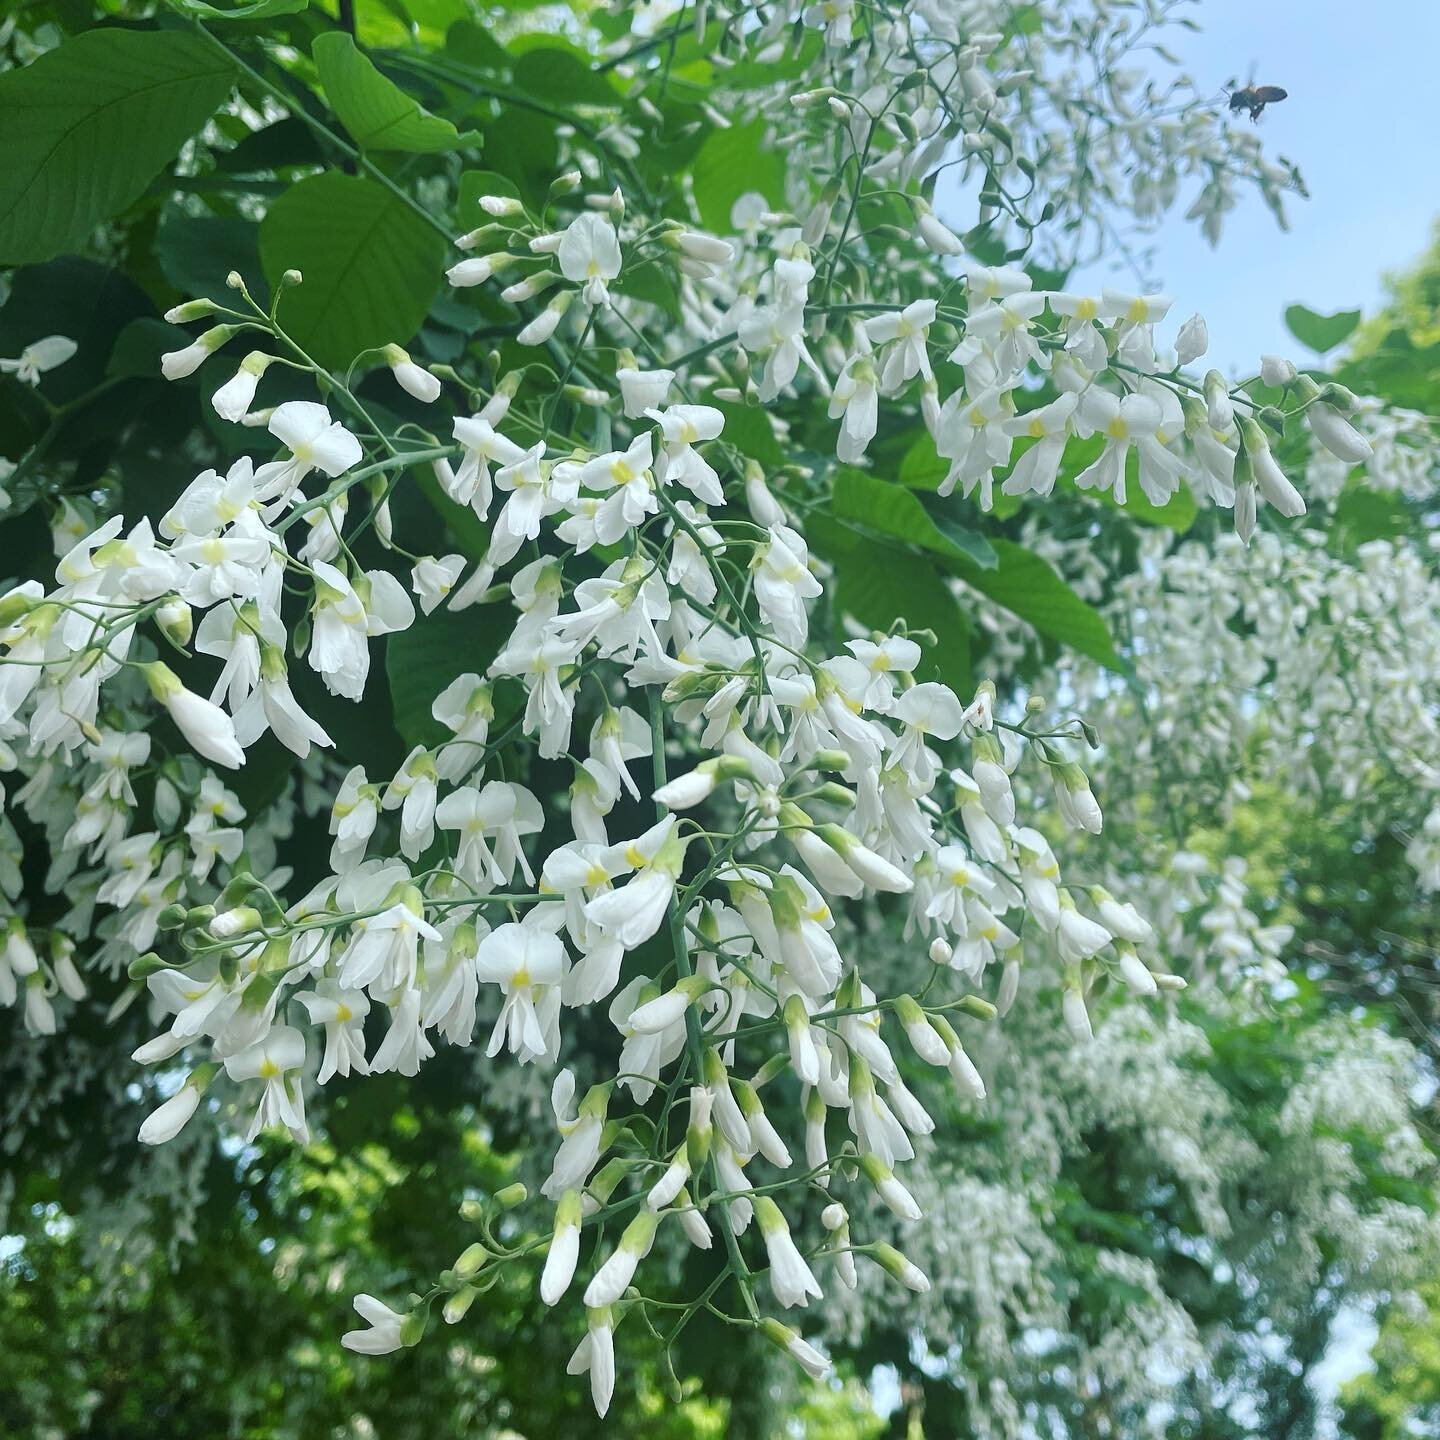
746	760
832	776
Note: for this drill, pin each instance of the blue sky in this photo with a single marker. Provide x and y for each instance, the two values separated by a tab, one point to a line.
1363	124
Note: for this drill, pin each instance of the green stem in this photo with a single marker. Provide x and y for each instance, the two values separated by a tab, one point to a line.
694	1041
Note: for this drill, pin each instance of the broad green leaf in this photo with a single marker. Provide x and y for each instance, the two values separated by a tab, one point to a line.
877	585
371	265
894	510
748	428
524	148
731	163
255	10
421	661
473	185
921	468
378	114
1027	586
197	252
286	143
1320	332
557	73
970	542
91	304
1363	514
473	45
140	345
89	125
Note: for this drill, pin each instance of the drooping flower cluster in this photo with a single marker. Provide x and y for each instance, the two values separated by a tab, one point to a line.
658	608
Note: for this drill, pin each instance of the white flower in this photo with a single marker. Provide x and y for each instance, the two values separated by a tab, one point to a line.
38	357
589	255
433	578
235	396
564	1249
342	1012
642	390
528	963
168	1119
783	583
412	378
596	1354
316	442
1192	341
207	727
791	1280
273	1059
383	1334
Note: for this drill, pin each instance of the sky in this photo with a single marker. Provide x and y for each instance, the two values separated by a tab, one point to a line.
1362	122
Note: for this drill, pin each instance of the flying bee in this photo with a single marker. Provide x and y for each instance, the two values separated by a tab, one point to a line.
1255	98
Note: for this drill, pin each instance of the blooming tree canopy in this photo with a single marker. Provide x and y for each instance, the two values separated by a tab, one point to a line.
625	550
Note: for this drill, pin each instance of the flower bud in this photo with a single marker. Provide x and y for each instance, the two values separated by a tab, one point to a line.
175	619
412	378
1276	371
177	364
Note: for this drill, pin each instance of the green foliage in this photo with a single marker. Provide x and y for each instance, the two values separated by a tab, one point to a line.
378	114
1321	332
371	265
87	127
732	163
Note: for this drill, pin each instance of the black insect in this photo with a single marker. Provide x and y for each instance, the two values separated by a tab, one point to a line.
1255	98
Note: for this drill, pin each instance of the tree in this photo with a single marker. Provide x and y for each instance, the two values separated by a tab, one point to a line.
636	454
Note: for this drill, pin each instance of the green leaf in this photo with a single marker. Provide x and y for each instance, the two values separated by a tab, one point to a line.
1363	514
91	304
922	468
473	45
731	163
1320	332
421	661
372	265
197	252
378	114
748	428
555	72
894	510
877	591
1027	586
89	125
255	10
140	345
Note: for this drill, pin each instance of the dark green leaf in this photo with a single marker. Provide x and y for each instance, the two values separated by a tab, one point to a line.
893	510
1027	586
748	428
1320	332
88	302
474	45
140	345
1364	514
424	659
371	265
732	163
255	10
285	143
197	252
378	114
87	127
877	587
558	74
